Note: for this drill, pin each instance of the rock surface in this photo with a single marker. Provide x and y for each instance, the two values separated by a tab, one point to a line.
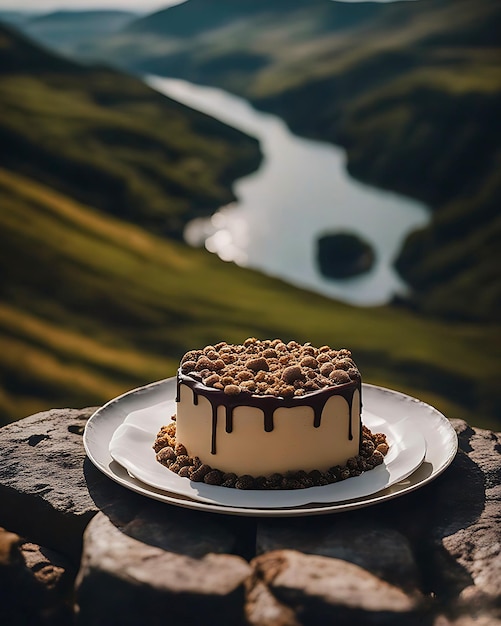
86	550
376	547
466	529
318	588
42	482
35	583
158	584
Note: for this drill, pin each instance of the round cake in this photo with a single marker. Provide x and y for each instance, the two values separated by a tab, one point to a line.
266	408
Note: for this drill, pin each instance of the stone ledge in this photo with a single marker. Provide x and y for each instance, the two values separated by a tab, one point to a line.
88	551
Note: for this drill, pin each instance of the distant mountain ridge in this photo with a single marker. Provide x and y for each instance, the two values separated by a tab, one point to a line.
71	31
198	16
412	90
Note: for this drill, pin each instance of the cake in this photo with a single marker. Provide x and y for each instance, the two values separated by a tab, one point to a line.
268	412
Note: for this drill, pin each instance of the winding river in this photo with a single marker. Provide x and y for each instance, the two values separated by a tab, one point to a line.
301	191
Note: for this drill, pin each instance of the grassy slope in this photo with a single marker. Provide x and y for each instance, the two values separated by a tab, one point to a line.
92	306
107	139
416	103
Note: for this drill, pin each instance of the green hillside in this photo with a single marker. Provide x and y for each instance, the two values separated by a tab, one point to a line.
91	306
107	139
412	90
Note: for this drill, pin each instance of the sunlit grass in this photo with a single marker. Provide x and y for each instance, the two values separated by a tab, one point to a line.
109	140
120	306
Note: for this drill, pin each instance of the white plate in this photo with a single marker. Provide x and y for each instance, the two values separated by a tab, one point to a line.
131	446
414	429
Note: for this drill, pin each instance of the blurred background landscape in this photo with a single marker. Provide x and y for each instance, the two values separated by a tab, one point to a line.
101	175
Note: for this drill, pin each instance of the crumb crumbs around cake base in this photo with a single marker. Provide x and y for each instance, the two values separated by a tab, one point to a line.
174	456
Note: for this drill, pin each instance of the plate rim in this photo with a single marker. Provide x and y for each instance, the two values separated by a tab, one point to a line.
113	470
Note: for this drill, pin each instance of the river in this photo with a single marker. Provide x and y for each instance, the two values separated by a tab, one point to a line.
301	191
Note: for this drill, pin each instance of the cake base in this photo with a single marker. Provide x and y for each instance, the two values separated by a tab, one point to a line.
263	435
173	456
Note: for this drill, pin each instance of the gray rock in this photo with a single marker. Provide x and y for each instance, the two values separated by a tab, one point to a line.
51	570
355	537
125	581
263	609
35	583
343	255
50	492
436	550
43	488
9	549
191	533
15	583
321	590
53	575
466	522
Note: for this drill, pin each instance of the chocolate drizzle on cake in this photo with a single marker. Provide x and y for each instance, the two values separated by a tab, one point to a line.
229	419
267	403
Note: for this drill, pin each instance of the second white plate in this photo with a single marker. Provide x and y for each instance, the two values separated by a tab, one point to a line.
131	446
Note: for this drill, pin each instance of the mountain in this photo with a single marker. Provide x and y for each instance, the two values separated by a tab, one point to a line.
16	18
72	32
197	17
108	140
412	90
231	44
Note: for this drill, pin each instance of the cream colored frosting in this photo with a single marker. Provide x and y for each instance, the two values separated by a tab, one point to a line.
293	444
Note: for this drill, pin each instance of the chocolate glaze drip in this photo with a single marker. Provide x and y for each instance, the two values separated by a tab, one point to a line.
229	418
214	428
268	404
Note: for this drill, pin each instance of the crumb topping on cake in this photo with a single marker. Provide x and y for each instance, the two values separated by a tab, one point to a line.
270	367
